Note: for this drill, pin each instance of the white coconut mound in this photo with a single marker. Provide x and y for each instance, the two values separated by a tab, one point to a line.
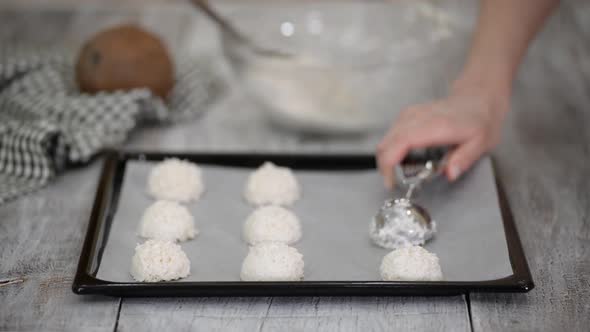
272	261
272	185
176	180
412	263
167	220
157	260
272	224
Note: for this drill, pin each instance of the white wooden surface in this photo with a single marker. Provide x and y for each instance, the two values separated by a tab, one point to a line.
295	314
544	164
40	242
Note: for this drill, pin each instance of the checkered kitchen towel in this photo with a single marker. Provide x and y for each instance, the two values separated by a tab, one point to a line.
46	124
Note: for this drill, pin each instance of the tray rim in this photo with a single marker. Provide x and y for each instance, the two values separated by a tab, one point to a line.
85	283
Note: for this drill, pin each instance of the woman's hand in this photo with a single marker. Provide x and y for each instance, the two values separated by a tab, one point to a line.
470	119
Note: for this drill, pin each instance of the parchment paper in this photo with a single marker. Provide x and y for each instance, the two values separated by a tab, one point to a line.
335	212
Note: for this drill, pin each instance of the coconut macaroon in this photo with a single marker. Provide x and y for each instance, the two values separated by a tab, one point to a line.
272	185
157	260
412	263
176	180
167	220
272	261
272	224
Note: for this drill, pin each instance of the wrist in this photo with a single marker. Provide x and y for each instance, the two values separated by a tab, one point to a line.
491	80
495	94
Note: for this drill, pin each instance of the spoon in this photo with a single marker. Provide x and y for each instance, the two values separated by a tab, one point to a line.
400	221
234	34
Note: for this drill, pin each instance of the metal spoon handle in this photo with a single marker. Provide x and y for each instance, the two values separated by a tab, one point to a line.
223	23
411	189
229	30
421	165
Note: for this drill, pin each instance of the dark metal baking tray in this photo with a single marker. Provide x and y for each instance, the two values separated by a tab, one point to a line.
105	207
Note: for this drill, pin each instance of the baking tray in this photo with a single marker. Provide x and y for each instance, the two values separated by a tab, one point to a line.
108	215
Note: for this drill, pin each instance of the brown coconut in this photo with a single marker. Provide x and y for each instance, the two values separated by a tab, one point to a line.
123	58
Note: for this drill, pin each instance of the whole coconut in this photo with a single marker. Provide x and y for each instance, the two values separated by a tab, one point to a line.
123	58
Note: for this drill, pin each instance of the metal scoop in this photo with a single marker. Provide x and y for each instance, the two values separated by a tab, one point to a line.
401	222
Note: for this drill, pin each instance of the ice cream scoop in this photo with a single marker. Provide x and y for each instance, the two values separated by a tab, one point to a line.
400	222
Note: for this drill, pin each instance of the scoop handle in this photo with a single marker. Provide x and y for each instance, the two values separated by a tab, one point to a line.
421	165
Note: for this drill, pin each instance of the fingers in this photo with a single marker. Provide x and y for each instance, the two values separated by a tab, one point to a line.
464	120
388	155
402	139
463	157
386	164
408	117
421	128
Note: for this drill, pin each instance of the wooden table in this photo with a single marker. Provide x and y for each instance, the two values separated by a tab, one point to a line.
544	163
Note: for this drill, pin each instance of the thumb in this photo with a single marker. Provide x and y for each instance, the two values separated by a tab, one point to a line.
463	157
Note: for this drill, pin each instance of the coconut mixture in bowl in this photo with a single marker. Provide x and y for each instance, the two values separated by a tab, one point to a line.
350	70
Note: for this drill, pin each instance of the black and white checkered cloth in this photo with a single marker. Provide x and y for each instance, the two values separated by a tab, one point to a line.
46	124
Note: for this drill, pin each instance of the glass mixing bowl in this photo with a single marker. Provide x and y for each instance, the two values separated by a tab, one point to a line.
355	64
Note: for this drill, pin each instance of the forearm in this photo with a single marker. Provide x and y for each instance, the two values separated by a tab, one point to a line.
504	30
